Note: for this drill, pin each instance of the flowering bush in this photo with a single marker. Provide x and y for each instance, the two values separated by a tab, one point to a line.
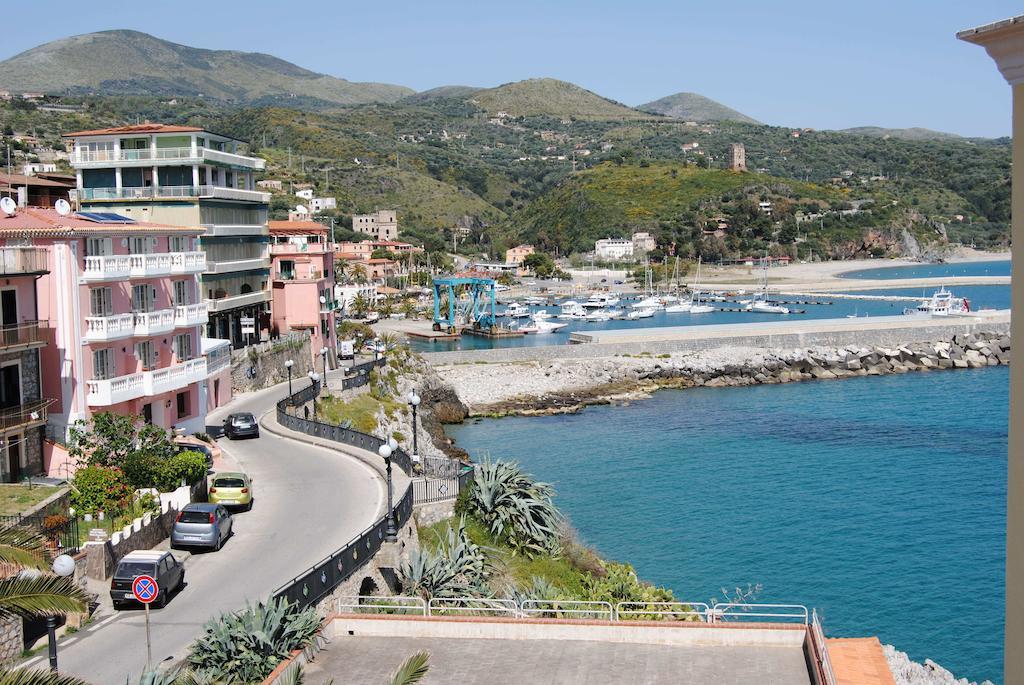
100	488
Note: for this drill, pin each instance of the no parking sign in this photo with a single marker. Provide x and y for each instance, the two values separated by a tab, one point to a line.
145	589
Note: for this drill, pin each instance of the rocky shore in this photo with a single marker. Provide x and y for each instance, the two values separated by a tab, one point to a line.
568	385
907	672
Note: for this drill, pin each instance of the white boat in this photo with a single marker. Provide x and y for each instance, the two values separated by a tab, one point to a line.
543	325
517	310
647	303
576	312
535	300
942	303
613	313
599	300
761	305
682	307
598	315
701	308
640	314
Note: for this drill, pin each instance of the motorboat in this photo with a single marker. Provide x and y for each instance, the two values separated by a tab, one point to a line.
942	303
517	310
574	312
535	300
640	314
544	325
647	303
600	300
598	315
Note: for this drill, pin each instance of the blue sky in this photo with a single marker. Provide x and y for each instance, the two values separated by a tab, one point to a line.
819	64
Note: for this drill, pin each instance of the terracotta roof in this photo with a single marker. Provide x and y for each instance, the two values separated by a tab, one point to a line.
135	128
46	221
859	661
13	180
296	227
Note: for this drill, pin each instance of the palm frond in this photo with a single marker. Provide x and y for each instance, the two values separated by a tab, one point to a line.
41	596
23	547
412	670
37	677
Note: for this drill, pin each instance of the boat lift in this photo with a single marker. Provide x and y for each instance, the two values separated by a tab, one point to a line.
470	303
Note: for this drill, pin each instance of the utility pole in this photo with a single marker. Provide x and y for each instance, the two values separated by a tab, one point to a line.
289	158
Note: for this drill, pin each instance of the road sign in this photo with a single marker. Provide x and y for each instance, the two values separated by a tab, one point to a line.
248	325
145	589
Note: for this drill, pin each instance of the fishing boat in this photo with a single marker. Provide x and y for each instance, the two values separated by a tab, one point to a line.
942	303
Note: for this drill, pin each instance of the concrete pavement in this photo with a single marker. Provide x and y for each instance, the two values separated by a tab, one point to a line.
309	500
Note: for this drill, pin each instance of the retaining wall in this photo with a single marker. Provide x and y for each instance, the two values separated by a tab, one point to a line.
262	366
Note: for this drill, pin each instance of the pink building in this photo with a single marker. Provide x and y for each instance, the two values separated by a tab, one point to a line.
302	282
123	303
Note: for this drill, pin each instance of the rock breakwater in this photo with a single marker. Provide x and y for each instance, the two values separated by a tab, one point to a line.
567	385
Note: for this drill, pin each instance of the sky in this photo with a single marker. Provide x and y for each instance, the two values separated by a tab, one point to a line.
893	63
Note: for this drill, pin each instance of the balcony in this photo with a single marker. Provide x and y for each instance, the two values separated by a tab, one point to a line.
120	267
225	303
191	315
219	267
107	328
103	393
23	261
169	192
217	230
27	415
22	336
154	323
90	159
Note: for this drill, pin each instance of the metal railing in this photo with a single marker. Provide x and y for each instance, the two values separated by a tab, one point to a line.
566	608
433	489
462	606
380	604
736	610
641	611
60	532
819	651
23	334
33	411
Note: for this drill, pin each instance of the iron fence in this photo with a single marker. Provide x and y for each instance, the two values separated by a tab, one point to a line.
59	531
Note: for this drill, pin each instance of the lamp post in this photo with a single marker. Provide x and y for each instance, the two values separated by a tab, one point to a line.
390	533
314	378
288	365
323	354
414	401
376	349
63	566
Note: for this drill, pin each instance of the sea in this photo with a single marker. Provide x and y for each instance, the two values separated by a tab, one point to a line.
879	501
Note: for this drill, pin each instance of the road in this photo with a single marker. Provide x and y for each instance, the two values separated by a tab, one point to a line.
309	501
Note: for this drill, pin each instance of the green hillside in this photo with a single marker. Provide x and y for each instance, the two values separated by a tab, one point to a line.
901	133
129	62
462	92
553	98
694	107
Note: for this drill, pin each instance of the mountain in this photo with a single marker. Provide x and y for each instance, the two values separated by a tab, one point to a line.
133	63
694	107
553	98
902	133
462	92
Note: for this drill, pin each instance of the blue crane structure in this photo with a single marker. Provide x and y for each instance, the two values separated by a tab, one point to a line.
470	302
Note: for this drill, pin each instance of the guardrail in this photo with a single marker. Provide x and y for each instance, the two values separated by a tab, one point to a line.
819	651
566	608
640	611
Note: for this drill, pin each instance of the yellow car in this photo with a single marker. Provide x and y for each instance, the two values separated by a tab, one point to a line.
231	489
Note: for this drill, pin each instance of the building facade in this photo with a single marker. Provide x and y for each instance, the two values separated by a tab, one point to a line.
643	242
613	248
187	176
516	255
738	157
382	224
302	283
121	304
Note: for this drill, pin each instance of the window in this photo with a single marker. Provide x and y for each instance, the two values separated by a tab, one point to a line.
100	302
102	364
142	244
183	404
180	243
183	346
142	298
98	247
181	297
146	355
193	516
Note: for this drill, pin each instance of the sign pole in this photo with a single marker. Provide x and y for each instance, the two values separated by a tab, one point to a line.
149	648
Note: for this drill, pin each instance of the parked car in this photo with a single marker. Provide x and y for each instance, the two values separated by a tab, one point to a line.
241	425
187	443
231	489
163	566
201	524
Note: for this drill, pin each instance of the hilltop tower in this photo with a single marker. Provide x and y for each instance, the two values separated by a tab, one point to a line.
738	157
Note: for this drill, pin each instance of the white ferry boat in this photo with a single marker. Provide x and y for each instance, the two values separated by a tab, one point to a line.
941	303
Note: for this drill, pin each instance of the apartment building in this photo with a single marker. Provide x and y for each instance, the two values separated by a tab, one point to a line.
613	248
188	176
123	314
302	283
382	224
516	255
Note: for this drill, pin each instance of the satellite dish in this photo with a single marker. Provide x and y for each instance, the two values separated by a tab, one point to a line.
302	209
62	206
8	206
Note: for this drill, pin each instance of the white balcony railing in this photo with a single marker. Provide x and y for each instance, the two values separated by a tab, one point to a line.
105	328
173	154
216	156
102	393
188	262
111	267
120	267
154	323
191	315
150	265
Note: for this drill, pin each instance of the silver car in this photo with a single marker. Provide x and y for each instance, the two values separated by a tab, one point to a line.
201	524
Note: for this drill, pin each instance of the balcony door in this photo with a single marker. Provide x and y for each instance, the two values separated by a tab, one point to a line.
9	315
10	385
14	452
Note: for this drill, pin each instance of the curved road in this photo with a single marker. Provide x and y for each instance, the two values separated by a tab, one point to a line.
309	501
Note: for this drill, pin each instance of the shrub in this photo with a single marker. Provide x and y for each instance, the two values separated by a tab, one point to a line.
100	488
142	469
245	646
457	568
516	509
184	466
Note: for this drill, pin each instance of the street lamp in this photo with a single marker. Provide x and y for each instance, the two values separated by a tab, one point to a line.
288	365
390	533
376	349
414	401
63	566
323	353
314	379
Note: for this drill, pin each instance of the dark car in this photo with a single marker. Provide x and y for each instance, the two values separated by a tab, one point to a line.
242	425
162	566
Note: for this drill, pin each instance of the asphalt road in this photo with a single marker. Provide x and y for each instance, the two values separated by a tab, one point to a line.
309	501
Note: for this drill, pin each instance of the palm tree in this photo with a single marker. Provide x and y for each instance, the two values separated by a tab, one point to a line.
360	305
340	269
386	307
357	272
412	670
409	308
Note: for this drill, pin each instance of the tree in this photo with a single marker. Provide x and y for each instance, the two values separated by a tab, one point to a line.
110	439
357	272
382	253
539	263
361	305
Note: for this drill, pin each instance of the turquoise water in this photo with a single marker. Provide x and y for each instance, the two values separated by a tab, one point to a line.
991	296
880	501
994	268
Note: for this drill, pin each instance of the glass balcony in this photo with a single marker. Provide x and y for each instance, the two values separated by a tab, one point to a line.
178	155
169	192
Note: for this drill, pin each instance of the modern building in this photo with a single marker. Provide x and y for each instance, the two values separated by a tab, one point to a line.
302	282
643	242
613	248
738	157
382	224
187	176
121	305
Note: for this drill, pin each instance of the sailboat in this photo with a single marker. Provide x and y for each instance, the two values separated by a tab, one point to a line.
760	302
696	306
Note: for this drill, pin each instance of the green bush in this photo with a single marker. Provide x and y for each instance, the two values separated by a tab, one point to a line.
142	469
187	466
100	488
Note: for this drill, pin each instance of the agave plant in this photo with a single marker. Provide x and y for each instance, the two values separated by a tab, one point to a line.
516	508
457	568
245	646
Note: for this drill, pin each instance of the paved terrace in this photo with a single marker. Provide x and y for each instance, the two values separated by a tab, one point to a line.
481	651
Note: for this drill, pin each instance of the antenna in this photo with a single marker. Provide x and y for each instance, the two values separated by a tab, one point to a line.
8	206
62	206
302	209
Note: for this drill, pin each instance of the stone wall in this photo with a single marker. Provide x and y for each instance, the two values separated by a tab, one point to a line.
12	638
262	366
432	512
142	533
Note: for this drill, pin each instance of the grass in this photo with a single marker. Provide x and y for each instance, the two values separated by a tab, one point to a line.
15	498
361	411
